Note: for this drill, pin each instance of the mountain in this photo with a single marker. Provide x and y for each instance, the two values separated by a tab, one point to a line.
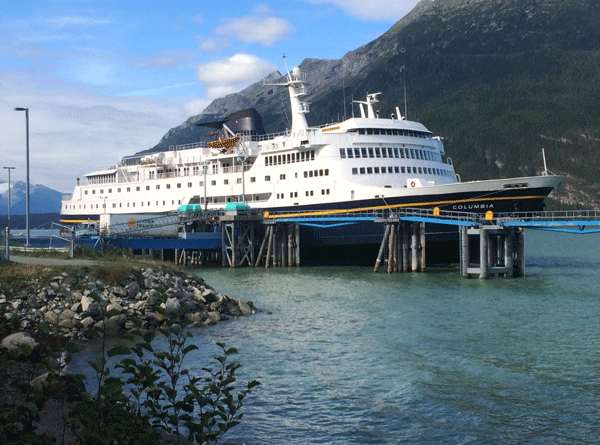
41	199
498	79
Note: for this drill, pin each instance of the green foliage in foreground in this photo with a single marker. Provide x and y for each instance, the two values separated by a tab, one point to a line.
155	401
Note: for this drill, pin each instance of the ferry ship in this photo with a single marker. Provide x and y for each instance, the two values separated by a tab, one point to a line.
362	162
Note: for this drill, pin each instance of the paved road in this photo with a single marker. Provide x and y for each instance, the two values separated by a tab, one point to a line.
51	261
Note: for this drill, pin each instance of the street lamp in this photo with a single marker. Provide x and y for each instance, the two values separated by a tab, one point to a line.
204	170
26	110
9	169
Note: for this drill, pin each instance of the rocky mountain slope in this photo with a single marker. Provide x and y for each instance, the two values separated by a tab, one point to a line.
498	79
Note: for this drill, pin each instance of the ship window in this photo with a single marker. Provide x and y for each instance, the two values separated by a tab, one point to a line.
350	153
289	157
101	191
369	170
322	191
384	152
157	187
312	155
395	152
213	182
320	172
85	193
343	153
253	179
168	186
133	204
306	174
239	180
355	171
403	169
179	185
376	169
371	152
363	151
282	177
267	178
377	152
147	187
109	190
118	190
362	170
163	203
137	189
189	184
226	181
312	193
396	169
369	131
142	204
310	174
390	152
129	189
326	172
201	183
361	131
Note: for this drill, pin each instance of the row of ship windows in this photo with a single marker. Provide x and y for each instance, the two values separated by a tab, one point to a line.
307	193
114	205
393	132
402	169
290	158
307	174
210	200
390	152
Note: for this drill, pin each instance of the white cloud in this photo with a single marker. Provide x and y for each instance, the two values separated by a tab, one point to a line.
260	27
380	10
226	76
195	107
74	132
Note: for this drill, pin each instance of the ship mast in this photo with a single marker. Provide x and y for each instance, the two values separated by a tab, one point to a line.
295	81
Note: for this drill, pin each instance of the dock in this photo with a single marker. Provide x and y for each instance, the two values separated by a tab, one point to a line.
488	244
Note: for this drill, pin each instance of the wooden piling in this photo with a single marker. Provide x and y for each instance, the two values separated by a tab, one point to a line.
390	267
382	248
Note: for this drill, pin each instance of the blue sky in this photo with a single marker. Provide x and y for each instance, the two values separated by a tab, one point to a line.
107	78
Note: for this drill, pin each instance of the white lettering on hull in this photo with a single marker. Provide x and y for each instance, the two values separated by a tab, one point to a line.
472	206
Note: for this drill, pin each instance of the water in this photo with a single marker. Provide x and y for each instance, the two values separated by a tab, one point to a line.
346	356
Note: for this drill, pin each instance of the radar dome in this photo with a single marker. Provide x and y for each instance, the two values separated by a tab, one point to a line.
296	71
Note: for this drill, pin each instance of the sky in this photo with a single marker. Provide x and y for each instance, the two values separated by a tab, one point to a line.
104	79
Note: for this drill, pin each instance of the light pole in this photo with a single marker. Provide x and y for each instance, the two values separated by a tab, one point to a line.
243	160
204	169
26	110
9	169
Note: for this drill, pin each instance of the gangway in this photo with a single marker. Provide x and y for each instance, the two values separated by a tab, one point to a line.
171	218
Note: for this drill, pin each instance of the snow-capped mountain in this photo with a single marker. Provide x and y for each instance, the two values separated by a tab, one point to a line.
42	199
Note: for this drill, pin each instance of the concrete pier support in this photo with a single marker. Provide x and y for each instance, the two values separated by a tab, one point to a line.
501	252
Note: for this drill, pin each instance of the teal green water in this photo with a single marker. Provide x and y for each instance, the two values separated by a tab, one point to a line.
346	356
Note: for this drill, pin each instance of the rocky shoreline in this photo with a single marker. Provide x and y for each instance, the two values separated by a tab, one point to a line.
76	300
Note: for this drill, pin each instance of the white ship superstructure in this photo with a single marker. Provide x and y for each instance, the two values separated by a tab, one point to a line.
359	162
